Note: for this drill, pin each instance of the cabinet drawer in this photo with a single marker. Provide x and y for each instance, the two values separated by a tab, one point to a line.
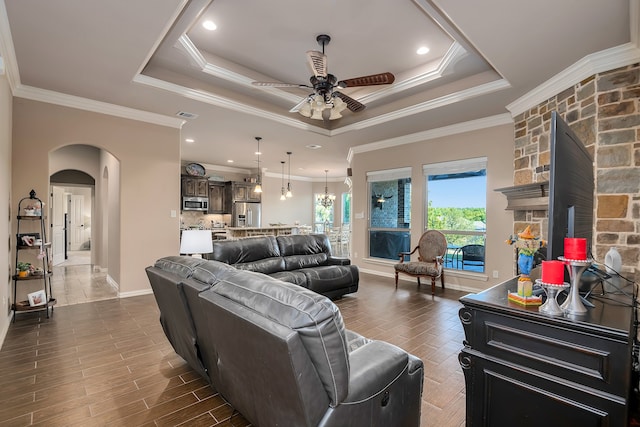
576	355
514	395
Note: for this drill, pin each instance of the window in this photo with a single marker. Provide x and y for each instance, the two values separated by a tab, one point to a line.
390	212
456	205
346	208
323	215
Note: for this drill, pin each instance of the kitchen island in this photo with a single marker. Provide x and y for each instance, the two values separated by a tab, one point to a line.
273	230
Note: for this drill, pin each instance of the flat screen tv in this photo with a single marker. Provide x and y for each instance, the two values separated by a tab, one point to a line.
571	188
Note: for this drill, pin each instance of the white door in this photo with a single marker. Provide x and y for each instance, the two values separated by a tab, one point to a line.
76	219
57	224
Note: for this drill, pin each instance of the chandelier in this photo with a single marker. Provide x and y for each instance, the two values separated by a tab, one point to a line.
326	199
318	103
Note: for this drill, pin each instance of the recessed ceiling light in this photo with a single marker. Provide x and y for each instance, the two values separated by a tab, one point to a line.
422	50
189	140
314	146
209	25
229	161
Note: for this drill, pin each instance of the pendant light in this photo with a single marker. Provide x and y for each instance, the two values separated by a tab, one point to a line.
258	187
282	195
289	193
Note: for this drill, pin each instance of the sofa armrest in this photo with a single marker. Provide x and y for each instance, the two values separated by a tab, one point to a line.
334	260
373	367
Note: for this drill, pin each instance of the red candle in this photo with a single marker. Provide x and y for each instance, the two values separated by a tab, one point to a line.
553	272
575	248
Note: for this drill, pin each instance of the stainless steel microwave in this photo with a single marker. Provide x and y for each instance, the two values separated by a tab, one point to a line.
195	204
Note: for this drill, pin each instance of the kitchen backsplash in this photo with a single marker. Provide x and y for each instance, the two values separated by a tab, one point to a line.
194	218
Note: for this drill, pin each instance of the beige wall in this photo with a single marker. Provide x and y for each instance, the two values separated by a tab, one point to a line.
298	208
5	206
496	144
149	160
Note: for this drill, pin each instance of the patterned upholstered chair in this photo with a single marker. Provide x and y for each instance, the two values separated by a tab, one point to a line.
431	250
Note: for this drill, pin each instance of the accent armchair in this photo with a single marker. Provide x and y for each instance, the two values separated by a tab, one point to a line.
431	250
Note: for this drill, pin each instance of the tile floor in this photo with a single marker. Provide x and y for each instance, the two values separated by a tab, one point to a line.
107	361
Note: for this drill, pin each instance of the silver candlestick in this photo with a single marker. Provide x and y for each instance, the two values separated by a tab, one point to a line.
551	306
573	304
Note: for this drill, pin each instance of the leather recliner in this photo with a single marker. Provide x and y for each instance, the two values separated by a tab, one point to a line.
280	354
304	260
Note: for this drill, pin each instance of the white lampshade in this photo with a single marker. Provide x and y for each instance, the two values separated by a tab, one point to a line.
196	242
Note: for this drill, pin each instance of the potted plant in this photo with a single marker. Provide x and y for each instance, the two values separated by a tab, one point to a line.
23	268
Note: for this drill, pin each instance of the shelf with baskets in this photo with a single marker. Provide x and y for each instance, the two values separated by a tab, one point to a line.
32	258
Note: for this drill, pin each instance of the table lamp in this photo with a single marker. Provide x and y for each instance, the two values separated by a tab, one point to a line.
196	243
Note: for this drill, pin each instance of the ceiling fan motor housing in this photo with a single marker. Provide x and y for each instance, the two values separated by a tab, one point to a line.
323	85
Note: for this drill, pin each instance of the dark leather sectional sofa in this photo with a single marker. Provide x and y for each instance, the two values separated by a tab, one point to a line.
278	352
305	260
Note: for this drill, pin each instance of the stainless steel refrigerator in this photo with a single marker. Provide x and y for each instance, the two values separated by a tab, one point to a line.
246	214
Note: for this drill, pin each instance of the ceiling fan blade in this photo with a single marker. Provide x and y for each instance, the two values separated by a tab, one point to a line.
317	63
352	104
278	84
374	79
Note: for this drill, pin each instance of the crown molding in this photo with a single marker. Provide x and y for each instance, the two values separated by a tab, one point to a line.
220	168
7	51
226	103
472	125
591	64
427	105
51	97
207	67
453	54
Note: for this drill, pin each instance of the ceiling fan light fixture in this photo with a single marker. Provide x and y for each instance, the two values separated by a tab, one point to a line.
335	114
317	114
305	110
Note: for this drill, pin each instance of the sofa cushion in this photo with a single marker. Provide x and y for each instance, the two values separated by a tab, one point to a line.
180	265
304	251
259	254
296	277
329	277
314	317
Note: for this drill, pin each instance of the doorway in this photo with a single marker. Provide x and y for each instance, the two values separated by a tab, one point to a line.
76	276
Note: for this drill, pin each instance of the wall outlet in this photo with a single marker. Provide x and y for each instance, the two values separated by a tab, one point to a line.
173	213
495	274
355	254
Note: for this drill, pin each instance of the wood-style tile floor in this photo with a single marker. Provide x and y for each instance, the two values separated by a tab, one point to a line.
108	363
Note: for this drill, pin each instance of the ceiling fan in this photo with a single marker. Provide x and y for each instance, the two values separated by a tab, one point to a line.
324	96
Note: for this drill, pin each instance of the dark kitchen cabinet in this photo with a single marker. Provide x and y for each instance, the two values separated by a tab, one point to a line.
524	368
195	186
242	192
217	203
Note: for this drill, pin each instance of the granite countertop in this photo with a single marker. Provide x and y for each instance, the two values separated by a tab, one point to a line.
270	227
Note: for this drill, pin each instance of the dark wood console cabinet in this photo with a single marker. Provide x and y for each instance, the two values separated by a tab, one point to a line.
523	368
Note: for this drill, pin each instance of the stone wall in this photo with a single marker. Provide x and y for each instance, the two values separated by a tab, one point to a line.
604	111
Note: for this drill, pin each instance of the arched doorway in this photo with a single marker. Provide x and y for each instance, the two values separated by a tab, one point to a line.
81	199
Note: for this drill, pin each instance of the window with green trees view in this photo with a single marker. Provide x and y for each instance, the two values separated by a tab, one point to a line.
456	205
